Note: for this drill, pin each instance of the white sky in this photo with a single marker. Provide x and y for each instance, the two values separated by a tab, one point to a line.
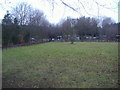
90	8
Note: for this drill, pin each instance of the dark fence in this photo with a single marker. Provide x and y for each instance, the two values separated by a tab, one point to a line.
24	44
41	42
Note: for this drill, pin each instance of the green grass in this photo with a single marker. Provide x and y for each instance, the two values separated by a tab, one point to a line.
62	65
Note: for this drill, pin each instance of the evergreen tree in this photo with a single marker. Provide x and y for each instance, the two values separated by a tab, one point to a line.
7	29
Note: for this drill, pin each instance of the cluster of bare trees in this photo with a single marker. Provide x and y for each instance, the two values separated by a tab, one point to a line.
25	22
26	15
87	28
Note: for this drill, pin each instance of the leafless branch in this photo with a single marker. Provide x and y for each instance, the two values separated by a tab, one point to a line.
68	6
104	6
85	8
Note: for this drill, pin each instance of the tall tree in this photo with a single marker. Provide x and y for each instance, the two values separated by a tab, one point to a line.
22	12
7	19
7	29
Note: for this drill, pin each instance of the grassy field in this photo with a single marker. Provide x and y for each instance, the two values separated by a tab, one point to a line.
62	65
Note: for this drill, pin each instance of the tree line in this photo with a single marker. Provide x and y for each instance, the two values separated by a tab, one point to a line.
25	22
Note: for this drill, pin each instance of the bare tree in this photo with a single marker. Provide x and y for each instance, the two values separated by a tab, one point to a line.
69	29
21	12
66	29
107	20
36	17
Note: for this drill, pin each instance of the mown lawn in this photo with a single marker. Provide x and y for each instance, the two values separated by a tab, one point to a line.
61	65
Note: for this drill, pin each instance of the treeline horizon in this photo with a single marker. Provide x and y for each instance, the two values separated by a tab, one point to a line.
26	22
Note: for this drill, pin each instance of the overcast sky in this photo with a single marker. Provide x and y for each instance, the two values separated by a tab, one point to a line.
88	8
